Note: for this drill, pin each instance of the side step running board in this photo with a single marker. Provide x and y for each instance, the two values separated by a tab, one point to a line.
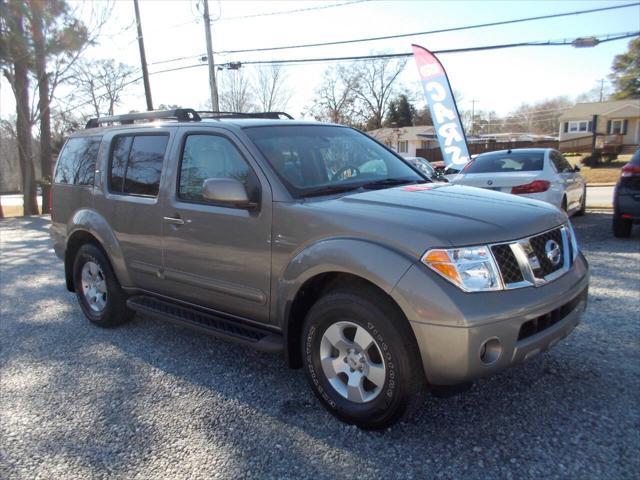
208	323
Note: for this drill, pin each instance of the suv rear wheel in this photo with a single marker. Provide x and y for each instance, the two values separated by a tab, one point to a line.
97	288
621	226
361	359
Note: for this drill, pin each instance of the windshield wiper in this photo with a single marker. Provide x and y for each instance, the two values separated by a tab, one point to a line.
328	190
390	182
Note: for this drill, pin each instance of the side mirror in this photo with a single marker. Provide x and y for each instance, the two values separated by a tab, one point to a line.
228	191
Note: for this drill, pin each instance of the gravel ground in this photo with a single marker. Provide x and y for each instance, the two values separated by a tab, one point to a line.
150	400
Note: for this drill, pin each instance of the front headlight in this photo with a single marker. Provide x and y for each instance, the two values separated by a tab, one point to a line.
473	269
574	242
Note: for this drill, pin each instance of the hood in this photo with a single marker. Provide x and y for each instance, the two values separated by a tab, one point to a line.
430	215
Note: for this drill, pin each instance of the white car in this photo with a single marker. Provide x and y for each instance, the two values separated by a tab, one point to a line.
540	173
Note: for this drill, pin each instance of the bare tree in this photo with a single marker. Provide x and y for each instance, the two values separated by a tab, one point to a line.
235	92
270	88
375	85
541	117
335	99
15	61
101	84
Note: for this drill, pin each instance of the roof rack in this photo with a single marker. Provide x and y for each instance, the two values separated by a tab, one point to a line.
180	114
268	115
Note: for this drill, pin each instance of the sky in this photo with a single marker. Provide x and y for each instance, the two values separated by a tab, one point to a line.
497	80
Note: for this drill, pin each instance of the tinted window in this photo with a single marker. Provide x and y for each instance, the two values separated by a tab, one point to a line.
77	162
506	162
119	162
561	163
635	160
209	156
136	164
318	157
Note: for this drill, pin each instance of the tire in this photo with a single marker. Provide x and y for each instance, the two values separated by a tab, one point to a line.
100	296
583	204
621	226
383	397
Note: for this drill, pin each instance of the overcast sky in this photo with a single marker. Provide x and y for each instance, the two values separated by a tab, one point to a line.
498	80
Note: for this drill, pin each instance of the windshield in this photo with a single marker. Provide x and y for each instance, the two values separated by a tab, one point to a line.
321	159
506	162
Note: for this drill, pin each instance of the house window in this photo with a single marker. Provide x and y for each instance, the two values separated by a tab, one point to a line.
616	127
579	126
424	144
403	146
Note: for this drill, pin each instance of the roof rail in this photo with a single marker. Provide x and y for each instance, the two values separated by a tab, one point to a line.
269	115
180	114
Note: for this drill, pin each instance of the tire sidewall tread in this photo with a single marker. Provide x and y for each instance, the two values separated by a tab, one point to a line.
405	377
115	311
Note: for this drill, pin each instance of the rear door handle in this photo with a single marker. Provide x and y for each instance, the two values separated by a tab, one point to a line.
173	220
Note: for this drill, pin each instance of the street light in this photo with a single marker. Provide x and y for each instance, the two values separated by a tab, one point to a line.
585	42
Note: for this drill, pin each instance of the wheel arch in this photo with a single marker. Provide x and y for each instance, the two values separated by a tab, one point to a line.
329	265
88	226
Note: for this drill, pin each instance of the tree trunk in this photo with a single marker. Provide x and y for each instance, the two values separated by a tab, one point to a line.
23	125
43	100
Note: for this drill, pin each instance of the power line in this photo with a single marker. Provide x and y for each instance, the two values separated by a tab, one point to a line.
300	61
453	50
298	10
366	57
430	32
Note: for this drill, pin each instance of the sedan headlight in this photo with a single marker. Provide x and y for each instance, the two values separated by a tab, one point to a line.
473	269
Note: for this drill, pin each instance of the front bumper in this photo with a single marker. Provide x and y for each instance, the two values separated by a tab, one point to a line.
451	326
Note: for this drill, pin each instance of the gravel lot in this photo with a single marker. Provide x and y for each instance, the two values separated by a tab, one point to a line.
150	400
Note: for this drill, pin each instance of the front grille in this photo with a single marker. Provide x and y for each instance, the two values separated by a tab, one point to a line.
547	320
507	264
538	245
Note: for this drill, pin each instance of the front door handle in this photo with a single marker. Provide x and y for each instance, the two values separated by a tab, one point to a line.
173	220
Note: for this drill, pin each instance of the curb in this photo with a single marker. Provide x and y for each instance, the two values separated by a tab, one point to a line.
600	207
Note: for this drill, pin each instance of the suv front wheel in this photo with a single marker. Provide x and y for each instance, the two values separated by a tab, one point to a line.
97	288
361	359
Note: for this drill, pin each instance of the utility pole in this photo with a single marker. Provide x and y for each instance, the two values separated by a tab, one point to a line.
473	117
143	59
601	89
212	67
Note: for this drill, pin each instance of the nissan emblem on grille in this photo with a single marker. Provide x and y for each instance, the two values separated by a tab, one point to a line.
553	252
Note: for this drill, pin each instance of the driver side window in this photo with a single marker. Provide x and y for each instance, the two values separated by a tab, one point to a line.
208	156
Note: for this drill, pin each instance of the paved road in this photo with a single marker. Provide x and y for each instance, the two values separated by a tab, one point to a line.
600	197
150	400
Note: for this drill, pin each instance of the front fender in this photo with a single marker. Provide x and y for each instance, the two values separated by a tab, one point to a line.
368	260
90	221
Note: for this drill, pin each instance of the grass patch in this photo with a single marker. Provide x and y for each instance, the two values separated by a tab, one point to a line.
605	173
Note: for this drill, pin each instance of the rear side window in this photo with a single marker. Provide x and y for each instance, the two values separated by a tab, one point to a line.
506	162
77	162
561	163
136	164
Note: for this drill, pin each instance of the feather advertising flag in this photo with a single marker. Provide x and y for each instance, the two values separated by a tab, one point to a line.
442	105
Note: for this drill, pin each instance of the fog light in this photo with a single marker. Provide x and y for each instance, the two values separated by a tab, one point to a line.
490	351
